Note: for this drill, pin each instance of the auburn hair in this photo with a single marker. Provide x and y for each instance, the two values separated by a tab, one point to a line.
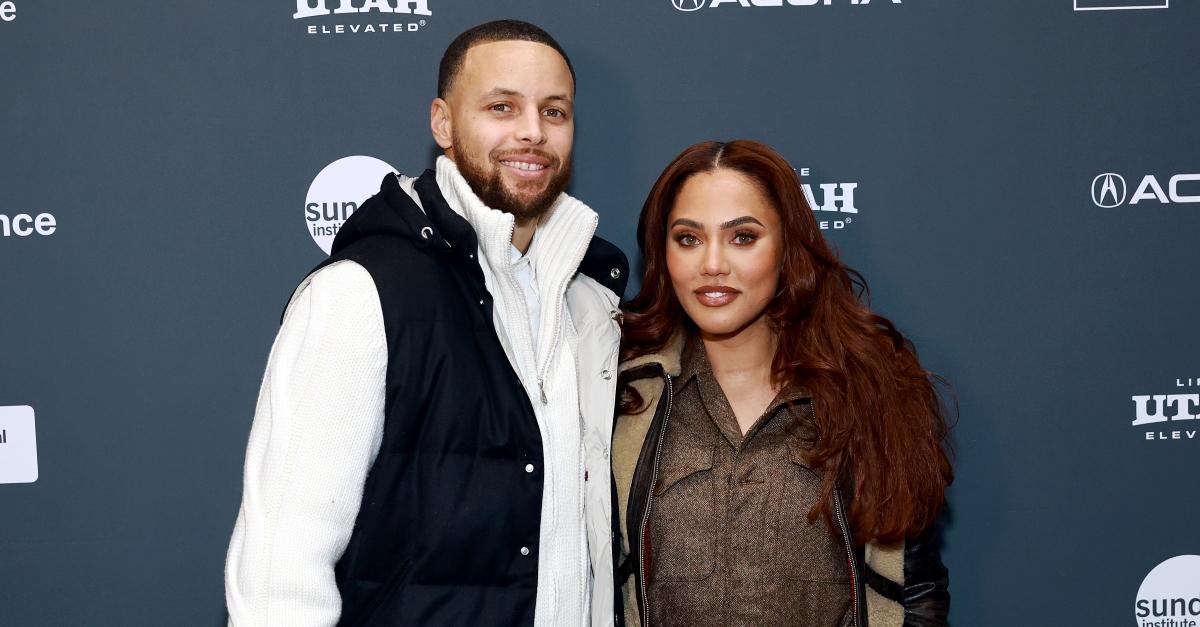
882	430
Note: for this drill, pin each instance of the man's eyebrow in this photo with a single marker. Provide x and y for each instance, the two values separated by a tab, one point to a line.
501	91
512	93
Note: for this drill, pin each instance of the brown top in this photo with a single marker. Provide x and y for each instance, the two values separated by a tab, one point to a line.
730	540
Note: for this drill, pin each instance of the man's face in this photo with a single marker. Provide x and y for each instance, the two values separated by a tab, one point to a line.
509	124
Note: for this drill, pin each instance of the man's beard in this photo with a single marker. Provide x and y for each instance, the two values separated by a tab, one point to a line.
491	190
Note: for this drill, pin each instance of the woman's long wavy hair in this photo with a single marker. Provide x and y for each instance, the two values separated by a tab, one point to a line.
881	424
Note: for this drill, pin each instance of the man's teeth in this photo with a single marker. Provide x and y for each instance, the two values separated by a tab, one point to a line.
523	165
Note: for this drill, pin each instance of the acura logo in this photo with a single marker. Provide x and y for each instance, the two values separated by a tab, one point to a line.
688	5
1108	190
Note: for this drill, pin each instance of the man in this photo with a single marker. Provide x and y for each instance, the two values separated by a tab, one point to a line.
430	445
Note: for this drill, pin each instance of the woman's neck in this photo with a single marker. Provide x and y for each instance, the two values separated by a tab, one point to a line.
744	357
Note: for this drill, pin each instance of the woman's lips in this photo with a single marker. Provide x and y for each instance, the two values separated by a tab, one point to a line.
716	296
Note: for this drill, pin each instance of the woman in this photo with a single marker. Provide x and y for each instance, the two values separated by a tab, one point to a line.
778	452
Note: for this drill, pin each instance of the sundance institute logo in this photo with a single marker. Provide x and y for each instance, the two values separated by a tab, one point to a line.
1169	416
337	192
354	17
1170	594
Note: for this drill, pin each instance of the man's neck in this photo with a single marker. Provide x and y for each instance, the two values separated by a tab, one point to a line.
523	234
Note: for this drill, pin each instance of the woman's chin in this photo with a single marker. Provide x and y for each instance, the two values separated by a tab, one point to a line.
713	328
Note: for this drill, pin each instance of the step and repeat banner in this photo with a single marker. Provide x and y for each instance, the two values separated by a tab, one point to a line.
1018	180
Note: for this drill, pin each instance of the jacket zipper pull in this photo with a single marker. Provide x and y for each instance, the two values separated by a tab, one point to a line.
542	389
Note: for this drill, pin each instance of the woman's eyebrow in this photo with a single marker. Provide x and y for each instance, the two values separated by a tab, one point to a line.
728	224
691	224
740	221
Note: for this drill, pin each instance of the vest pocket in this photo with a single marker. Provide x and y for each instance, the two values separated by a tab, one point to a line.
683	521
809	551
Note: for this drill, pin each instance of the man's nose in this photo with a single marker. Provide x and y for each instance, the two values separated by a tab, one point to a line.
531	129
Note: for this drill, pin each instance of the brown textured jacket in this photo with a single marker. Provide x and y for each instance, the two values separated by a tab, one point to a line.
893	586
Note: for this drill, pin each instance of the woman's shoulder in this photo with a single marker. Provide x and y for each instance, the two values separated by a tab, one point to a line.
665	360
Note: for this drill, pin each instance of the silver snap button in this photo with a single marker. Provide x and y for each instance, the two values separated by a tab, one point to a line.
524	550
528	467
481	301
607	375
615	273
427	232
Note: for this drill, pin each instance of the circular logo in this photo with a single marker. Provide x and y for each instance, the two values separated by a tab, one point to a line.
1171	590
1108	190
337	192
688	5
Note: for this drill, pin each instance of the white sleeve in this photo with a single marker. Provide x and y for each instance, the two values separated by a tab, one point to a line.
317	429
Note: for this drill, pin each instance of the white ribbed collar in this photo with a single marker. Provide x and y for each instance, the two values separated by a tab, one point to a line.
562	237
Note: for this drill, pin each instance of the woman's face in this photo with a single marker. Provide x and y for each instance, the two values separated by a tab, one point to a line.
724	250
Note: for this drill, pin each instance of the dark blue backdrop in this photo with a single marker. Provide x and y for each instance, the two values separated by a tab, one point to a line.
175	144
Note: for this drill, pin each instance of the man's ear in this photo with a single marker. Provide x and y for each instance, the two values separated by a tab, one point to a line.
440	123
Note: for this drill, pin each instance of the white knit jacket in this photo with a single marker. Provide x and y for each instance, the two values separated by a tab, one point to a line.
319	421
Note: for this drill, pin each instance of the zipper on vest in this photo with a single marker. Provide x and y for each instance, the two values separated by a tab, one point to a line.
650	502
841	518
542	389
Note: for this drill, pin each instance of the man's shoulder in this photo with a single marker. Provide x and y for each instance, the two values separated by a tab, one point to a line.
342	281
605	264
384	247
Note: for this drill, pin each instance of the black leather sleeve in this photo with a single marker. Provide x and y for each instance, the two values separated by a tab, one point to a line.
926	592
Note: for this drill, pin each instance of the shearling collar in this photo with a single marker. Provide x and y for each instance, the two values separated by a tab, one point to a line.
671	359
668	358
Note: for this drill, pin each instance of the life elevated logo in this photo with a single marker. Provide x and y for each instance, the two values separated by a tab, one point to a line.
696	5
1109	190
337	192
836	209
1170	594
18	445
8	11
1170	416
362	17
27	224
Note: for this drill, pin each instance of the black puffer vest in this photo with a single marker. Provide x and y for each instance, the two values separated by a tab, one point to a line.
447	532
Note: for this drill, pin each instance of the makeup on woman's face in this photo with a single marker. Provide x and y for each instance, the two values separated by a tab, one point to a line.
724	249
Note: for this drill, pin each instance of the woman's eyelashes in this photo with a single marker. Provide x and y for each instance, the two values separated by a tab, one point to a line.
745	238
687	239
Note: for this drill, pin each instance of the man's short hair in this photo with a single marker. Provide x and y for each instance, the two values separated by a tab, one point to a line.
499	30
